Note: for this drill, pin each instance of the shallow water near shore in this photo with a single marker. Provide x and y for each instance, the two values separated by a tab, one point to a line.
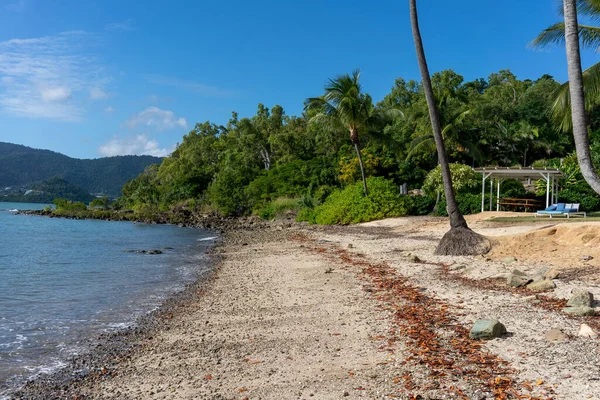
64	281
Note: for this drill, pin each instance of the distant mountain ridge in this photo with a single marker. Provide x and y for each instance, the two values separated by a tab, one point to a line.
22	166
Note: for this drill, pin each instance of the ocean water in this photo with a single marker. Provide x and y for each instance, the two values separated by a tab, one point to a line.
63	281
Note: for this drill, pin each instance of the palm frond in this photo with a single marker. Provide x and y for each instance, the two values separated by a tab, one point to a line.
387	140
555	34
472	148
589	8
561	108
420	143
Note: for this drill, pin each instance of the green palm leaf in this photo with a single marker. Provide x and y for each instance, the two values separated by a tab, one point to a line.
555	34
561	108
421	143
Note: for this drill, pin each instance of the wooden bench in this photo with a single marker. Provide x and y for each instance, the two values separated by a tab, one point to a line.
514	203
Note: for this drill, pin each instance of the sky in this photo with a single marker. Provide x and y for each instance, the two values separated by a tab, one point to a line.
95	79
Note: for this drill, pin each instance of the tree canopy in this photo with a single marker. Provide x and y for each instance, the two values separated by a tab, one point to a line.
240	167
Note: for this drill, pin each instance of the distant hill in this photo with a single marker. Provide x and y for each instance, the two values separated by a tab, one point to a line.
22	166
48	190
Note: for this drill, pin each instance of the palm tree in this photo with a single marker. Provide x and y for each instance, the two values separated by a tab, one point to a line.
590	38
345	105
452	134
582	143
460	240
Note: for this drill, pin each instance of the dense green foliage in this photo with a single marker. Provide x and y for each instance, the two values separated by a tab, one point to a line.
271	163
20	166
350	205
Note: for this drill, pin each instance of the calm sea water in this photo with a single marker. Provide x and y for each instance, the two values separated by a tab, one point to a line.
63	281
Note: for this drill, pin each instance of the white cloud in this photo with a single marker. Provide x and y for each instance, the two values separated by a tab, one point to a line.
49	77
55	94
109	109
98	94
201	88
154	117
127	25
134	145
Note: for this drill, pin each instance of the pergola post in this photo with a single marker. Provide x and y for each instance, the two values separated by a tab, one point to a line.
483	193
491	191
547	177
498	196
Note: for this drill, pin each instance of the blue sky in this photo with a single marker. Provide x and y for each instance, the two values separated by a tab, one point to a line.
91	79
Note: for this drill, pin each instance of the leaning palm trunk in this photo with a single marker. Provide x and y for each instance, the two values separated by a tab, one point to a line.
354	139
460	240
362	169
580	135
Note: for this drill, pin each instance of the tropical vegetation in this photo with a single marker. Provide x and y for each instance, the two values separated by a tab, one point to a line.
347	158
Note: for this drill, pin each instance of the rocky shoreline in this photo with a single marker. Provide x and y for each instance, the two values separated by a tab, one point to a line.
107	350
180	217
365	311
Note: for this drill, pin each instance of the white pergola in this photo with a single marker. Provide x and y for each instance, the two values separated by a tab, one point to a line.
550	175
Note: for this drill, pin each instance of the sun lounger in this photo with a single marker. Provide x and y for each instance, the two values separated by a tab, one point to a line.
562	209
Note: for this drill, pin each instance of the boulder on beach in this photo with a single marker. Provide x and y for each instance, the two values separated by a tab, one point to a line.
541	285
581	298
582	311
586	331
487	329
518	279
556	335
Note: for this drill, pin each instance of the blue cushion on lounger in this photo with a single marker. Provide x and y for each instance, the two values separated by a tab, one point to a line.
560	207
551	208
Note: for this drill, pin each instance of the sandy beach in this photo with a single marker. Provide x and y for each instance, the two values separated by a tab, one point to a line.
365	311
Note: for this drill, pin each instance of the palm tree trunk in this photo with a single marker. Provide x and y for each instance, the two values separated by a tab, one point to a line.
456	218
362	168
582	143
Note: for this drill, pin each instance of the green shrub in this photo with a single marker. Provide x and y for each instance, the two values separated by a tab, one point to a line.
464	180
306	201
468	203
307	214
68	205
421	205
351	206
580	193
278	208
266	212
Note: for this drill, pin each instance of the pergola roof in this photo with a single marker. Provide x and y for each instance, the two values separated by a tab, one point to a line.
518	172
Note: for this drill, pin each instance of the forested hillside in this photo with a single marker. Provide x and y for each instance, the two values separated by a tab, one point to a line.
272	161
47	191
22	166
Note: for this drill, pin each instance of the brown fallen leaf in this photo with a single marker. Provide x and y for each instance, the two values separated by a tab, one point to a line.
539	382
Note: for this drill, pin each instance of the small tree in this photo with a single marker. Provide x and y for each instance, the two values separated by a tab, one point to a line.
100	203
344	105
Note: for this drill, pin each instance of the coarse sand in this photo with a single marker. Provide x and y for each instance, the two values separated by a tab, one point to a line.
369	312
